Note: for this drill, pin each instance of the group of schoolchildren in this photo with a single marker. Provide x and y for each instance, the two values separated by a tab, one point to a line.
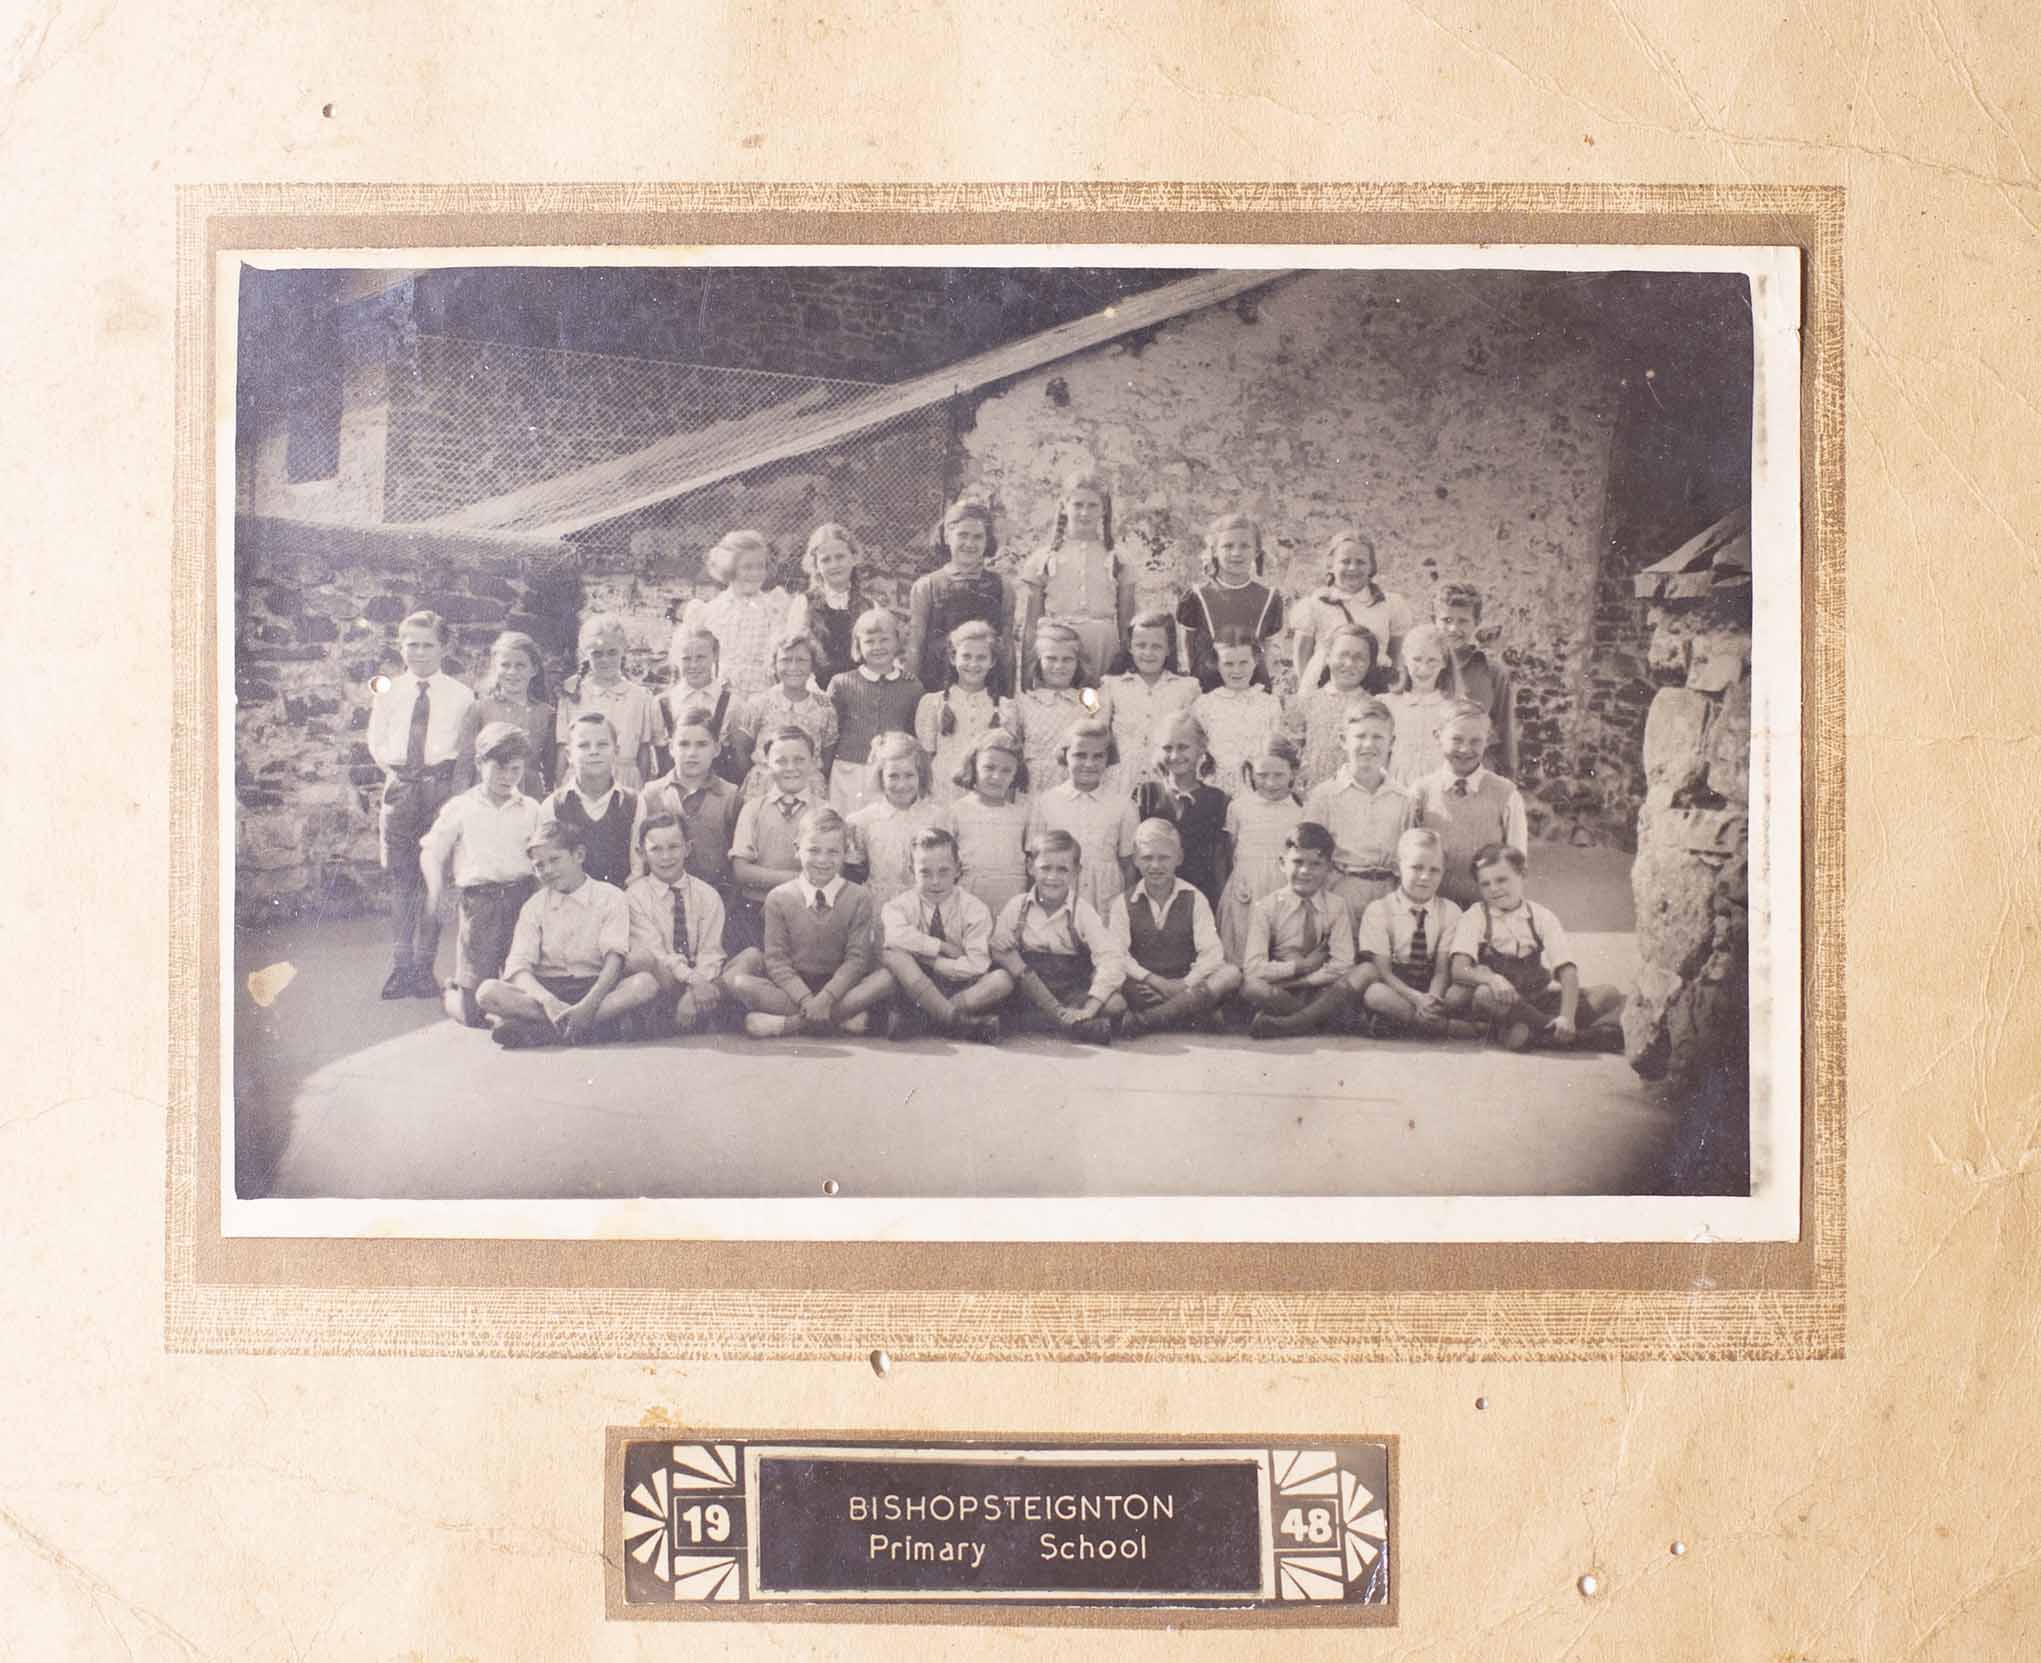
1017	812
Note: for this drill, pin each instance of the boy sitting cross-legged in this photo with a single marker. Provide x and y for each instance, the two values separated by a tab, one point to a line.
938	949
1062	959
819	967
563	982
1299	966
1513	953
676	926
1169	941
1406	936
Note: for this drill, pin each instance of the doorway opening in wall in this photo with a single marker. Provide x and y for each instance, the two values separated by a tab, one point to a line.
1397	519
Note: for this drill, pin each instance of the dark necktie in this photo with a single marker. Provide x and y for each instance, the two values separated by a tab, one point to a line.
421	718
1310	930
821	903
680	941
788	807
935	926
1420	945
1460	787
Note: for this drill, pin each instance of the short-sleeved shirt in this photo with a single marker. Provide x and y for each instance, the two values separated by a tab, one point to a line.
1364	824
570	934
1389	926
486	839
1512	933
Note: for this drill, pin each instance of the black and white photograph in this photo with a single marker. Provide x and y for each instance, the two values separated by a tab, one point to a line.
1021	743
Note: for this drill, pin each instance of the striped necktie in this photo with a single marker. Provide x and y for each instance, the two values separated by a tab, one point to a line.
680	941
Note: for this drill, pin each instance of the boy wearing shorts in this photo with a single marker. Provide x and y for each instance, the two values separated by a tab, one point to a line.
1061	958
1512	953
482	834
563	981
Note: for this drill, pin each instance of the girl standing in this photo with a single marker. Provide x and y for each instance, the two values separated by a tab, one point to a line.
1232	597
992	819
1422	702
747	617
1153	690
513	691
949	724
871	699
1052	701
829	608
964	591
790	702
1257	822
1349	595
602	689
899	808
1239	717
1078	580
1317	715
1178	792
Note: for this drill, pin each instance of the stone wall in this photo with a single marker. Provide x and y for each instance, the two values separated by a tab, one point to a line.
1460	423
317	617
1688	1020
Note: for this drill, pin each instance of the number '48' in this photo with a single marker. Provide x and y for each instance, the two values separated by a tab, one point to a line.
1307	1524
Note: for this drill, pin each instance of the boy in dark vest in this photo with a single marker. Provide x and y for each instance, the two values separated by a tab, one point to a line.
598	814
1467	805
1164	929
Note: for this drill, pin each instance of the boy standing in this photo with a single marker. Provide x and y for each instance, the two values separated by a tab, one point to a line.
1514	955
414	734
818	968
764	850
1059	955
1364	809
1299	965
706	803
1471	674
483	832
1405	936
598	812
676	925
938	949
1467	805
563	981
1168	940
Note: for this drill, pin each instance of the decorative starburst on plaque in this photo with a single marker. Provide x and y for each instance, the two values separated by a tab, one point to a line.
1338	1556
1364	1526
705	1576
646	1525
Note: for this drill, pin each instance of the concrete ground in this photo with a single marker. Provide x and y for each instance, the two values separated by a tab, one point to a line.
340	1094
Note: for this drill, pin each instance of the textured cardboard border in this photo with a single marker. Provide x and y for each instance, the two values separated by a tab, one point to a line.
976	1614
1205	1302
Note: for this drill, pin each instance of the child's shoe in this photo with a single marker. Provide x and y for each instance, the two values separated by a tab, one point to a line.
518	1034
759	1025
981	1030
1517	1035
424	984
1093	1030
905	1024
397	985
1265	1026
1132	1025
858	1024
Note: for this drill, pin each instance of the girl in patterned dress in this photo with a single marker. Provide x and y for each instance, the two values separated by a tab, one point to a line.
1238	717
949	724
603	689
872	699
829	608
991	819
1423	700
790	702
1349	595
1053	700
747	617
1102	820
882	833
514	691
1257	822
1232	597
965	591
1078	580
1316	719
1143	697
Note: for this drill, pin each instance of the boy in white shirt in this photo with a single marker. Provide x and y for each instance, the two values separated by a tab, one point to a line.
482	835
1513	954
1406	937
1169	941
938	949
676	926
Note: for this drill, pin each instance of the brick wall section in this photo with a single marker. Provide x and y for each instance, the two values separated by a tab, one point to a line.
1454	422
317	618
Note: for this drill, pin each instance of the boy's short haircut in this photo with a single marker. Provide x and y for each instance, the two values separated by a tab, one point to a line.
1368	709
514	746
1311	838
819	822
661	822
789	733
550	834
1462	710
931	838
425	619
1087	727
695	717
1057	840
1456	594
1498	854
1159	831
1420	837
593	718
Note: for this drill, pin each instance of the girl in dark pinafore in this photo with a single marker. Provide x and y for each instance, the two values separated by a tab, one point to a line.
966	590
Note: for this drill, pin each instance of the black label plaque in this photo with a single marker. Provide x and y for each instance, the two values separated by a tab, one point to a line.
735	1521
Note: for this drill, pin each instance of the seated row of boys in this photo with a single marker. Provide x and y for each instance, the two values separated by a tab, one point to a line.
581	959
